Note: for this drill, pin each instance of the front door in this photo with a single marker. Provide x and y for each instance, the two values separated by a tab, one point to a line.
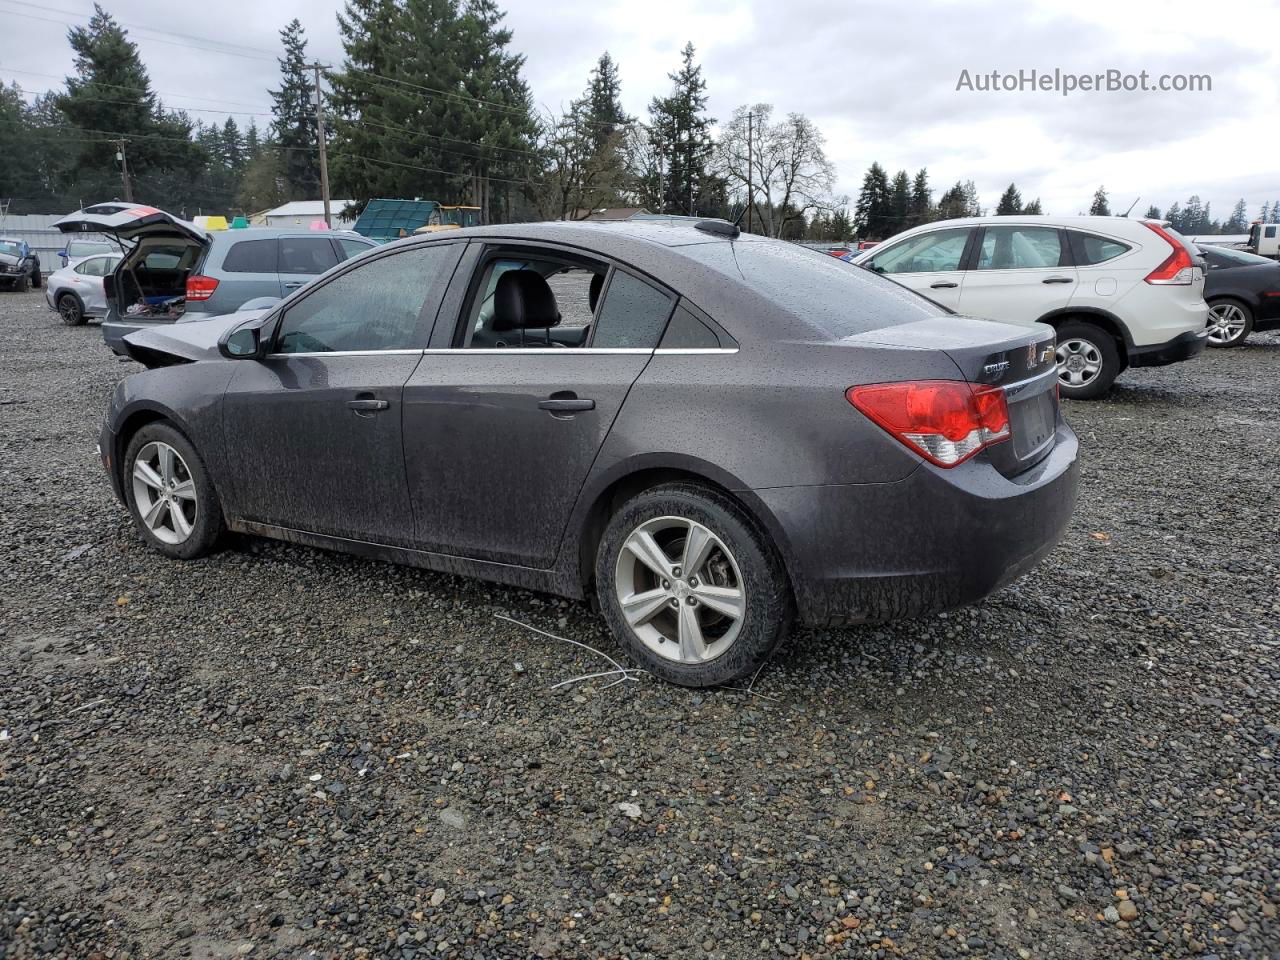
502	428
316	424
928	263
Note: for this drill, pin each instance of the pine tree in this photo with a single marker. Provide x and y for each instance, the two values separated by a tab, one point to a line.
921	199
1100	207
1193	218
1174	216
1153	213
1264	215
252	141
233	147
1033	208
680	128
872	214
1010	202
604	103
294	123
1275	212
953	203
900	202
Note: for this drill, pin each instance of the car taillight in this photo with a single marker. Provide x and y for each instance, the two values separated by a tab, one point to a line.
1177	269
945	421
201	288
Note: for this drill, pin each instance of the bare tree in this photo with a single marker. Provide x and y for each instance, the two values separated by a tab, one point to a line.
789	171
580	171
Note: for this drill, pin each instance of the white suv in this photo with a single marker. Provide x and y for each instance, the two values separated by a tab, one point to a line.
1120	293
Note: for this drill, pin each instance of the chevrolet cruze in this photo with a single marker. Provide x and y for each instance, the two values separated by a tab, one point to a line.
710	435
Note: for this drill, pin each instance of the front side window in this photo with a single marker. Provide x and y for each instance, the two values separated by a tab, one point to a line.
251	256
374	306
1020	248
1090	249
309	256
633	314
940	250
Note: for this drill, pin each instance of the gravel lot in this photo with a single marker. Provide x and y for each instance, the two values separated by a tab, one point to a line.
278	752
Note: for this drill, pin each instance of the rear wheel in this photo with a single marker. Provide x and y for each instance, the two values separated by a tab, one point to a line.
1088	360
1230	322
71	310
170	495
690	588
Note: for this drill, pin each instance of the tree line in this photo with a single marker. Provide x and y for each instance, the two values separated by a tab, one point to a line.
430	101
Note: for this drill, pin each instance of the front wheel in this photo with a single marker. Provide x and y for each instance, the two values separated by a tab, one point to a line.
1230	322
690	588
23	283
70	310
1088	360
170	495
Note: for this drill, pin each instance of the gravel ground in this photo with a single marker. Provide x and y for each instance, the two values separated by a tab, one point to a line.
278	752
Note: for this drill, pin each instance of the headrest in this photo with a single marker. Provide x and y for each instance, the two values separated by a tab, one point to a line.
593	294
522	300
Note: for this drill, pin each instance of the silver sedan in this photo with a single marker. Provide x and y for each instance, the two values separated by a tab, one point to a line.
76	290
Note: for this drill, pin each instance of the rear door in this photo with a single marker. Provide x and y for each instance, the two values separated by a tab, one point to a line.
317	424
247	270
1019	273
930	263
500	438
302	258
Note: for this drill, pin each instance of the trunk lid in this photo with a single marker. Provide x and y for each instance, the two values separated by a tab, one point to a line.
130	222
1019	358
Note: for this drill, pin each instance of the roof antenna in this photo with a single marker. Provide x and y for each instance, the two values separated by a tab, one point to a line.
1131	206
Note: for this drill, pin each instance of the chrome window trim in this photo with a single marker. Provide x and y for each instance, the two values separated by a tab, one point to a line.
538	351
693	351
343	353
517	351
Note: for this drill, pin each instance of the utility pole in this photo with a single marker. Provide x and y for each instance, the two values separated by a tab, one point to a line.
750	133
124	169
324	160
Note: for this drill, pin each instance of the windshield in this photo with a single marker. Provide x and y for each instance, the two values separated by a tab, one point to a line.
10	248
1236	257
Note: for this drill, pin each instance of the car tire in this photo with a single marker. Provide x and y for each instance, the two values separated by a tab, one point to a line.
22	284
1230	321
71	310
37	280
683	628
184	486
1088	360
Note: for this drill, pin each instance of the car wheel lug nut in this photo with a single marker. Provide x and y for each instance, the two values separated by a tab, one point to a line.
675	572
693	601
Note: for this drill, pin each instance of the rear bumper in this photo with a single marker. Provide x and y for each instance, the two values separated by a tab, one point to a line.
114	331
1182	347
937	539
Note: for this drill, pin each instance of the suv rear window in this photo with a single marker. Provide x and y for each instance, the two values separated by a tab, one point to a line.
306	255
1090	249
251	256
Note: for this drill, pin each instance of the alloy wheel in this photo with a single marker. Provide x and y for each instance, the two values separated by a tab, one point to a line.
1226	323
70	310
164	493
680	590
1079	362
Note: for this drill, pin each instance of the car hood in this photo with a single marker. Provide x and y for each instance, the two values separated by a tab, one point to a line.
6	258
166	344
129	222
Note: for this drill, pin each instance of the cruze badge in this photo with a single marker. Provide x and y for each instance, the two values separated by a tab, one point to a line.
994	369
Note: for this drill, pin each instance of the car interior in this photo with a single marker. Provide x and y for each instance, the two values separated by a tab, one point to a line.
531	302
154	272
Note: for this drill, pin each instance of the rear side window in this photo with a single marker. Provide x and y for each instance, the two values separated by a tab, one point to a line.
633	314
306	255
251	256
687	332
374	306
1020	248
1090	249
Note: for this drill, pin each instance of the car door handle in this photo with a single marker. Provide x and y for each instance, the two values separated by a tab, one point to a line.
367	405
294	284
566	404
943	285
1057	280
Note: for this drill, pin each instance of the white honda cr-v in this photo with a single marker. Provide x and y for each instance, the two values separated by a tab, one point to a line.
1120	293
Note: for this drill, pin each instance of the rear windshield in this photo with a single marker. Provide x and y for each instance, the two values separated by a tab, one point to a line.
1234	257
836	297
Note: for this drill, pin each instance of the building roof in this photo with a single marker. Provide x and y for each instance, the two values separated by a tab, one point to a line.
307	208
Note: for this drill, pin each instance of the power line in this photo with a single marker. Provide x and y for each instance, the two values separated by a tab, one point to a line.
129	103
135	90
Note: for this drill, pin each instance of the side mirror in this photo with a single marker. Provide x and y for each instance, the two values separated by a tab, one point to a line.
244	342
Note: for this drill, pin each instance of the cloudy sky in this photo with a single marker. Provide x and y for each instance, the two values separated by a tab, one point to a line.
878	78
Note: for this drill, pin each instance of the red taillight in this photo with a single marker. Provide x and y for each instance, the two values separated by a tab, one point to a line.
1177	269
201	288
945	421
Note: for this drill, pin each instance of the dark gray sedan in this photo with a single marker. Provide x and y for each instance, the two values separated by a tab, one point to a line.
710	434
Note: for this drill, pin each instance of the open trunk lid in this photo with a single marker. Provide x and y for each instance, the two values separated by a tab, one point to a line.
130	222
1020	358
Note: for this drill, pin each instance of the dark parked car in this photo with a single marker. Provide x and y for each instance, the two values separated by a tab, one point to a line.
709	433
1243	293
176	271
19	265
